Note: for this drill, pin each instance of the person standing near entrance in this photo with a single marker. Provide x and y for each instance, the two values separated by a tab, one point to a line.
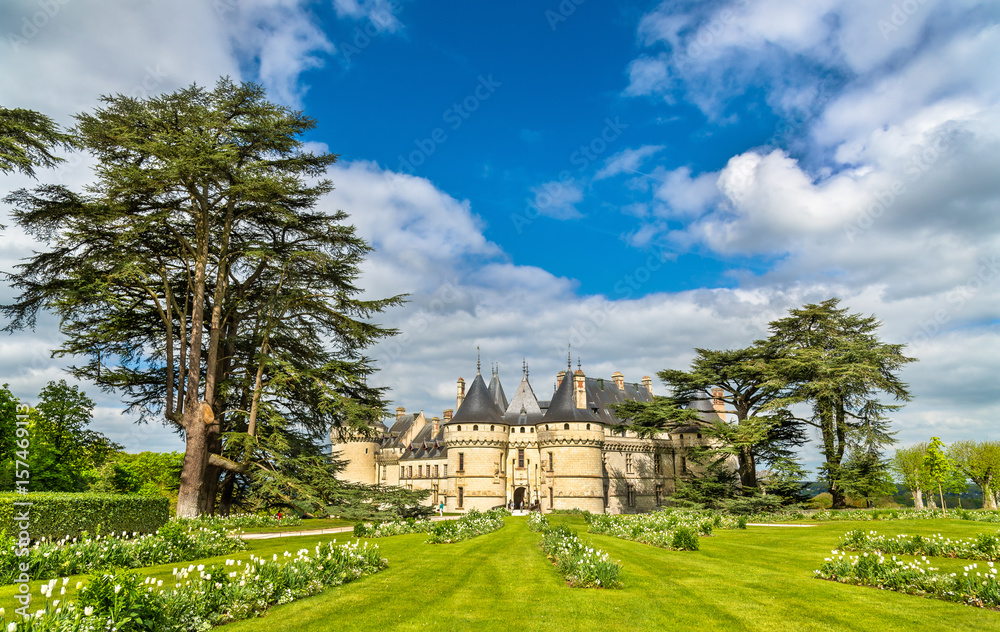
441	509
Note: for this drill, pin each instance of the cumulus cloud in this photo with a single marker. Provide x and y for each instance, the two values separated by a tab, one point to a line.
381	13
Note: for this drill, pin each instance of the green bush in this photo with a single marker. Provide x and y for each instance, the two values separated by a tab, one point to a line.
57	515
685	539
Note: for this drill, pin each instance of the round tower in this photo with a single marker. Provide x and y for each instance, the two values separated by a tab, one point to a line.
570	439
359	453
476	437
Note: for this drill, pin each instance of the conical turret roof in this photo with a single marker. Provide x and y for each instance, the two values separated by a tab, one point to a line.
478	406
563	405
496	392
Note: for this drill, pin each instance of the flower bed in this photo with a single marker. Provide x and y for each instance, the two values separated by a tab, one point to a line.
670	529
982	547
396	527
172	543
973	586
201	596
472	524
537	521
581	565
240	521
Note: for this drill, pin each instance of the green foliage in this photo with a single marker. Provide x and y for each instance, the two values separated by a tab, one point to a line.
63	451
835	362
56	515
8	438
746	505
581	565
865	476
685	539
27	140
124	599
174	542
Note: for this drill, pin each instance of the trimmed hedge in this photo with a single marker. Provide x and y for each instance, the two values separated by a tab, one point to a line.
56	515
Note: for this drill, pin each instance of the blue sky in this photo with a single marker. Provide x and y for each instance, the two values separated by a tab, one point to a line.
637	179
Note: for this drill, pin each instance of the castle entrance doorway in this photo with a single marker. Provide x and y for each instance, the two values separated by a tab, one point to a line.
519	498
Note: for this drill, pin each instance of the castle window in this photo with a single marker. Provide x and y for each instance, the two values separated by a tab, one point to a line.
522	429
475	429
565	426
684	465
532	429
550	498
435	471
588	426
699	436
552	461
461	461
446	470
383	473
630	498
659	495
420	471
458	428
410	471
461	497
657	467
628	463
491	428
520	458
402	471
546	426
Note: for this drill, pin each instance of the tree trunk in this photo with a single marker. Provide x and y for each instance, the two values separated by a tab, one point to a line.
747	470
189	496
197	417
944	507
918	499
226	499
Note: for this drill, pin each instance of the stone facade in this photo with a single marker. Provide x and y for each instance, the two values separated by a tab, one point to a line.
570	452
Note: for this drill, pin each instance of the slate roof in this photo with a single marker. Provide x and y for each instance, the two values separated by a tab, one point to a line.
523	409
496	392
478	406
563	407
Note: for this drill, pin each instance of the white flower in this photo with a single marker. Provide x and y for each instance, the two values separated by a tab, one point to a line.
89	610
118	589
11	627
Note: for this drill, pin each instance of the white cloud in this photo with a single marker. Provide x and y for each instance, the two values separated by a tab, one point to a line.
558	198
627	161
382	14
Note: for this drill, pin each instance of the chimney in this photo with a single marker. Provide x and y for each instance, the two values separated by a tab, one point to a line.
461	394
619	380
559	378
437	425
447	415
717	403
580	389
647	382
400	412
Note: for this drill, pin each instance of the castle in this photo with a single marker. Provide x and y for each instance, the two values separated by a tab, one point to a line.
570	452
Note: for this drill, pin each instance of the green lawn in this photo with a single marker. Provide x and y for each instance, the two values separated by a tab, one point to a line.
305	525
758	579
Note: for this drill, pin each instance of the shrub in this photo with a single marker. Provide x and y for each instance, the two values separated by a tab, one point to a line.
55	515
684	539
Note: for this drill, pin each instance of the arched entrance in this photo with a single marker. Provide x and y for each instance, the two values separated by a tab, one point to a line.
519	498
